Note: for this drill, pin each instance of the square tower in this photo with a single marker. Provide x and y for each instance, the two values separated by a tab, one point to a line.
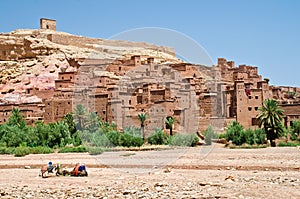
49	24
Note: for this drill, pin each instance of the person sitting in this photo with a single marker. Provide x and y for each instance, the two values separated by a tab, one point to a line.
50	167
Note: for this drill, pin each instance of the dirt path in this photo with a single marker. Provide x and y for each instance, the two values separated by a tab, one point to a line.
200	172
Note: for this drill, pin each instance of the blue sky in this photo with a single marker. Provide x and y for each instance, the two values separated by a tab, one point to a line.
263	33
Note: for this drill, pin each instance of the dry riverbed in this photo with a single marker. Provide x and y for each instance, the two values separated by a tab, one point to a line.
200	172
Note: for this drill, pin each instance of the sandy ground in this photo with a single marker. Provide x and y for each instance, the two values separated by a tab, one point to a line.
200	172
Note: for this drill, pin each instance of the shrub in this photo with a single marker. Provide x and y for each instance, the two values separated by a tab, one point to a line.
95	150
79	149
288	144
128	140
238	136
209	134
131	137
294	130
101	140
260	136
235	133
222	136
183	140
114	137
40	150
6	150
158	137
21	151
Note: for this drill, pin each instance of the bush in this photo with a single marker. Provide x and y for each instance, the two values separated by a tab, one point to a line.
131	137
158	137
128	140
209	134
183	140
114	137
6	150
235	133
21	151
239	136
288	144
294	130
222	136
101	140
79	149
260	136
95	150
40	150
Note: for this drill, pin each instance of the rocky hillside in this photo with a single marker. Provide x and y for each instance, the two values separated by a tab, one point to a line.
33	58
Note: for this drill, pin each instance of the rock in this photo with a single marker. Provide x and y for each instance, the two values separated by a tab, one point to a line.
230	178
159	189
167	170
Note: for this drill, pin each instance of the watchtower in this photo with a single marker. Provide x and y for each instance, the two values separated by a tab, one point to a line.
49	24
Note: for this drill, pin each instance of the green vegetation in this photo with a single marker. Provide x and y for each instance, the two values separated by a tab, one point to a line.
238	136
209	134
289	144
78	149
142	117
294	131
158	137
169	122
84	131
190	140
131	137
270	118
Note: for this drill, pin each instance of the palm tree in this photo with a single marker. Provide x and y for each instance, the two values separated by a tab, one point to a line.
16	118
80	117
68	118
142	117
270	119
170	121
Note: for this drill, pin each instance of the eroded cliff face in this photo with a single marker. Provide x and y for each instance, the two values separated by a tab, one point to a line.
31	59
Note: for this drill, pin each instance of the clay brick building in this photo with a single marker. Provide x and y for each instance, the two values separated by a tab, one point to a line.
48	24
195	96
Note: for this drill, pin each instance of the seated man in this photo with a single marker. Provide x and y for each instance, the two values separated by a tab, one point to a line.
79	170
50	167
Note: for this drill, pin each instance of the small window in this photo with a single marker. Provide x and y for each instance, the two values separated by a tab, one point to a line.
62	77
129	102
256	108
249	97
254	121
256	97
69	102
249	108
47	26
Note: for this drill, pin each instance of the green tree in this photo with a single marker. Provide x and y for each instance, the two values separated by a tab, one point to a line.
80	117
235	133
270	118
17	119
68	119
169	122
93	122
295	130
142	117
209	134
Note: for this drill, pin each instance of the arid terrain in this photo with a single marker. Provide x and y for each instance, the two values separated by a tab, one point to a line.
200	172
